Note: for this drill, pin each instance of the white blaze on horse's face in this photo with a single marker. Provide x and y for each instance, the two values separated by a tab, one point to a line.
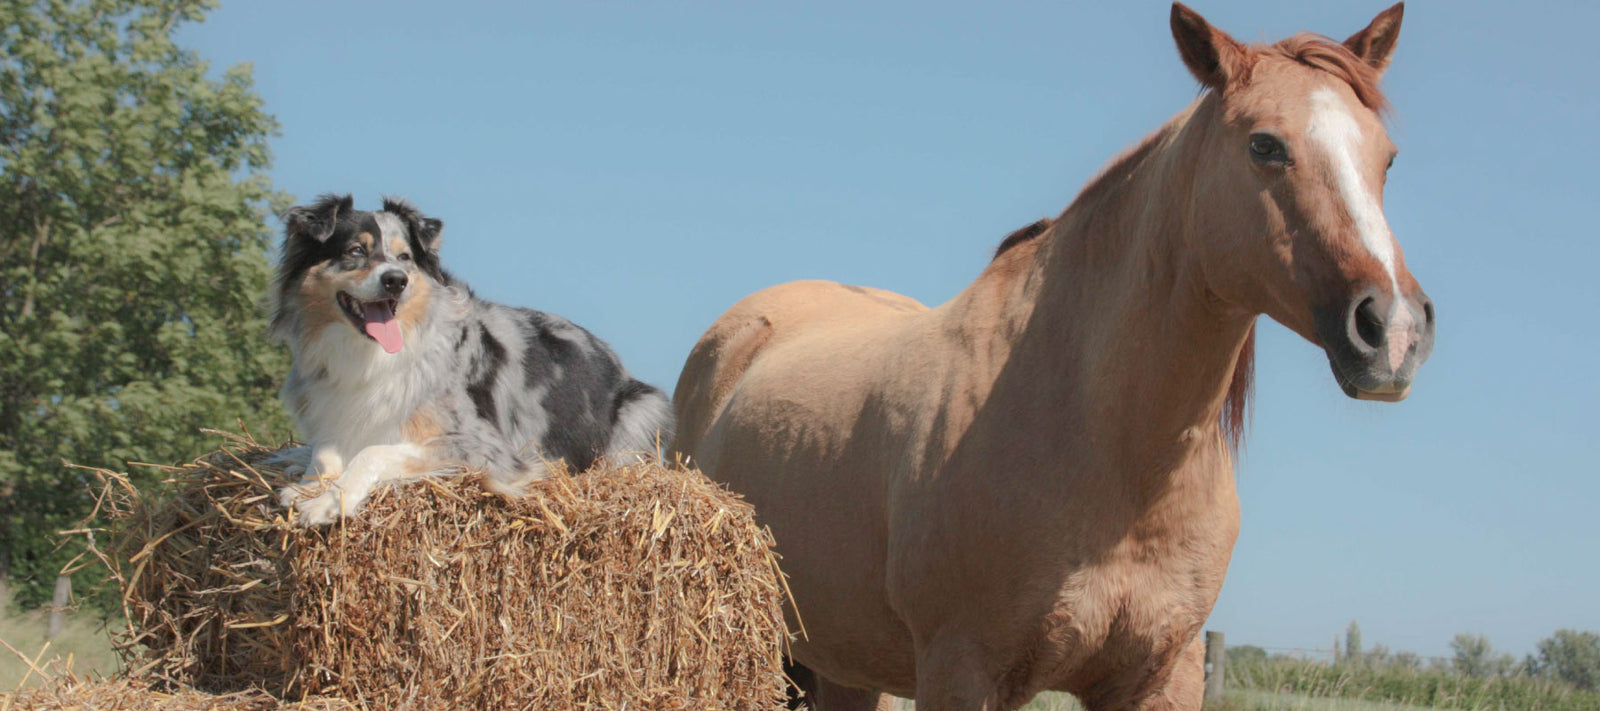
1334	132
1367	310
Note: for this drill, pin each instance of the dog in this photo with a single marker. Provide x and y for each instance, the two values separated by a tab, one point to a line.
400	372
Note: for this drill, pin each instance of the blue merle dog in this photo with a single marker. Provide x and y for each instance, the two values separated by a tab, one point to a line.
401	372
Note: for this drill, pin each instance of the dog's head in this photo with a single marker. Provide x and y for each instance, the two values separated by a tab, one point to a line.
372	271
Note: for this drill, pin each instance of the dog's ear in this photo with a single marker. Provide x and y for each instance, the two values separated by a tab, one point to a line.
426	230
317	220
430	233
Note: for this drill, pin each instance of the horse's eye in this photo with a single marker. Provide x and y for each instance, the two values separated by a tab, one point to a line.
1268	148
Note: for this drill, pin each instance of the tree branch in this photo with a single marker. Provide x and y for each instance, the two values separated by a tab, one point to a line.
41	237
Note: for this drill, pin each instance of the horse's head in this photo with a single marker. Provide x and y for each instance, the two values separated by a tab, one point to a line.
1291	157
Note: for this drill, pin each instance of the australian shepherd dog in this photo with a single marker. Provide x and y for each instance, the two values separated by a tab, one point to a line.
401	372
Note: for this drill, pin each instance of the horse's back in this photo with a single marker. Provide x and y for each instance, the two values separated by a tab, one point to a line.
798	316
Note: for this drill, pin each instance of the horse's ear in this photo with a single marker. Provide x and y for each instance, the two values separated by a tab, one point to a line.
1212	56
1375	44
317	220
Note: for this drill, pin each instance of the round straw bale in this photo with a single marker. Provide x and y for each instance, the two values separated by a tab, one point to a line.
639	585
74	694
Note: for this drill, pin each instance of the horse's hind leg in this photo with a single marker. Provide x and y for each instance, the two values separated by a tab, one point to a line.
819	694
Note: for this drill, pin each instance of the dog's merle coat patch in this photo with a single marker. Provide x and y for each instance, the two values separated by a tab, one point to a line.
469	382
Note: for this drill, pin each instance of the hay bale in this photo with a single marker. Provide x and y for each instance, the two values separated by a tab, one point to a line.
640	585
70	693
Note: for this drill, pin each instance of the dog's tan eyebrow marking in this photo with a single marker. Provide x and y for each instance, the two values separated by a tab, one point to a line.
397	246
367	240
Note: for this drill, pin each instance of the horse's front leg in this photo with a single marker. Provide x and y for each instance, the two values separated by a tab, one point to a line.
1186	684
951	677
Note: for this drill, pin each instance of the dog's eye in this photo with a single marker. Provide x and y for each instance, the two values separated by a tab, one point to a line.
406	257
355	250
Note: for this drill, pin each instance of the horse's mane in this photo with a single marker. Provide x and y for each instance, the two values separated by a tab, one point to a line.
1023	235
1110	175
1319	52
1236	408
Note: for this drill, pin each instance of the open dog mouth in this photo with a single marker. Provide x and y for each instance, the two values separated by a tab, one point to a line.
374	318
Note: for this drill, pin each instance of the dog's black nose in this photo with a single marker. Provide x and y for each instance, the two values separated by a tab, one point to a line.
394	282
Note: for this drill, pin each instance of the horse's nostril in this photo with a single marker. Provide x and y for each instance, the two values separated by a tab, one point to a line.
1427	312
1369	324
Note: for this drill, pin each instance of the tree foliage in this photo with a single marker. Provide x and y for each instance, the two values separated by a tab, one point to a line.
1246	654
133	253
1474	656
1352	643
1573	657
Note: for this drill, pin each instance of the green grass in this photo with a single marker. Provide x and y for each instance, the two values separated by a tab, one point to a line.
1416	688
1050	701
83	640
1252	700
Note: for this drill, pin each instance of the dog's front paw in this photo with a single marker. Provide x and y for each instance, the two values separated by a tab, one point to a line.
319	503
295	461
321	509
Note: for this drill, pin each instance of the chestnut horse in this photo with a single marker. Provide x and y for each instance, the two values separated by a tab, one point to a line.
1030	487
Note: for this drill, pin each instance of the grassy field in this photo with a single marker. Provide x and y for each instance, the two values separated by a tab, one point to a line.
1412	688
84	641
1252	700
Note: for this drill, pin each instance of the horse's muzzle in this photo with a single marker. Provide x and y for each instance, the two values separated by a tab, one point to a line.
1376	341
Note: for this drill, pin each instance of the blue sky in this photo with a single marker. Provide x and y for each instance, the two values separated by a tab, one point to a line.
639	167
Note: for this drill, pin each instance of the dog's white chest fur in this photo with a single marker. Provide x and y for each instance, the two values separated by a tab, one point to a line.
360	396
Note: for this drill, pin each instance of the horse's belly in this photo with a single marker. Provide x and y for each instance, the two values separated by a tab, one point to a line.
880	662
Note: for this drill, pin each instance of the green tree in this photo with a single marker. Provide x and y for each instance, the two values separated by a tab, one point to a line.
1352	643
1473	655
133	255
1573	657
1377	656
1246	654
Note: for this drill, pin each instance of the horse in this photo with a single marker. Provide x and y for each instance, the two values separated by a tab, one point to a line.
1030	487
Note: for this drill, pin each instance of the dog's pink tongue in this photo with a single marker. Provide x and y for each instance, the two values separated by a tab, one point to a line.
383	326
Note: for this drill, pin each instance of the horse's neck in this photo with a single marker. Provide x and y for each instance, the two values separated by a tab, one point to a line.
1111	342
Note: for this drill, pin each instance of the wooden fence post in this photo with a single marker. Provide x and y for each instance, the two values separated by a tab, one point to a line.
1216	662
58	607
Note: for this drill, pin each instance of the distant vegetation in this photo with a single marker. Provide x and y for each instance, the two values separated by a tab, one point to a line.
1563	676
